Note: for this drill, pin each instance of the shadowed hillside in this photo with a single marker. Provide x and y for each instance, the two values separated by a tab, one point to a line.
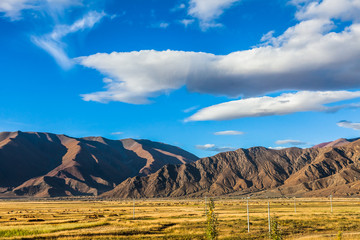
44	164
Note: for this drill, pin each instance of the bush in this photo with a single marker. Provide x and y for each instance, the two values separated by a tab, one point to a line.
211	222
339	235
275	232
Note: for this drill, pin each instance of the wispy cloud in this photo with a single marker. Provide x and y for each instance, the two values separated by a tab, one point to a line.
208	11
190	109
214	148
52	42
286	103
347	124
52	11
13	123
117	133
229	132
163	25
187	22
178	7
290	142
14	8
268	36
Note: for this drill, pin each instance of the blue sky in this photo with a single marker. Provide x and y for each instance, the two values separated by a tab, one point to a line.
207	76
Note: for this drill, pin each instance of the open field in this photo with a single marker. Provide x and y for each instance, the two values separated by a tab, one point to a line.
177	219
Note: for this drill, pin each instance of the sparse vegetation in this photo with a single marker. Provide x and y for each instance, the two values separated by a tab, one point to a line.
179	219
339	236
275	233
211	221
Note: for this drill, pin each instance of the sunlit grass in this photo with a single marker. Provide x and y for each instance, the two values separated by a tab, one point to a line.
176	219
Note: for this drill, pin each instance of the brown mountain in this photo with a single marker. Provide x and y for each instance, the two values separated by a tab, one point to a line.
332	169
337	143
45	164
335	170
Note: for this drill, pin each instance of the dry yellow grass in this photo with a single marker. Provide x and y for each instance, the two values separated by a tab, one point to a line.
176	219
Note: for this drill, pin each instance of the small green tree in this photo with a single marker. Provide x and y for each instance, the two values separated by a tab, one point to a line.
339	236
275	232
211	221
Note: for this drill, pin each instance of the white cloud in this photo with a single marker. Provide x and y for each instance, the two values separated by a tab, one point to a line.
182	6
117	133
187	22
163	25
52	42
307	56
205	147
327	9
277	148
214	148
290	142
300	3
347	124
55	49
268	36
286	103
139	75
13	8
229	132
178	7
190	109
208	10
51	10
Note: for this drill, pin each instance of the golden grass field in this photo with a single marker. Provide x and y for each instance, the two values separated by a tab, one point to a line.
176	219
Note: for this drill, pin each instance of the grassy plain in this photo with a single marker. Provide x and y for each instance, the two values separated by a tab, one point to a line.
176	219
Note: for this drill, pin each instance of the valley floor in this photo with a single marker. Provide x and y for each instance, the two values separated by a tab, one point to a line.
177	219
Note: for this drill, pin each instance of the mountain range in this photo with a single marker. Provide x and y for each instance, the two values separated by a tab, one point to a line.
48	165
332	168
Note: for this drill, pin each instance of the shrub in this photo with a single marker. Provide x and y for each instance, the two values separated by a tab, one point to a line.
339	235
275	232
211	221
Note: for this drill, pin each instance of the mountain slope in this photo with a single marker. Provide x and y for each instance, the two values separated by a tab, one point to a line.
331	172
337	143
290	171
44	164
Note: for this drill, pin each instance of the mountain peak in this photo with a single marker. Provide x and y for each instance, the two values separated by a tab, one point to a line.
46	164
337	143
296	171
